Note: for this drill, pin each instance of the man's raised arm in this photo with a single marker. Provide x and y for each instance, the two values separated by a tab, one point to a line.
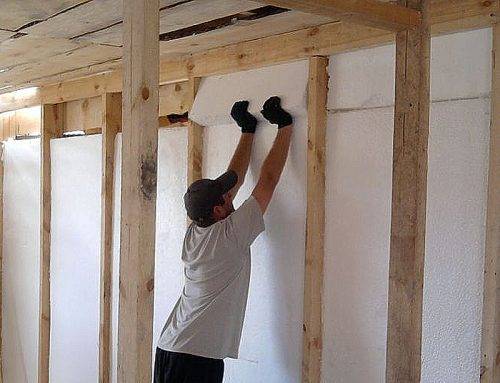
274	163
241	157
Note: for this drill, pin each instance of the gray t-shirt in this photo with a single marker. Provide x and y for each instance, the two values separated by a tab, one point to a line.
208	317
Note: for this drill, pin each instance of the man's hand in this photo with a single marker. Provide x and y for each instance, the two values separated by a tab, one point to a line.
273	113
245	120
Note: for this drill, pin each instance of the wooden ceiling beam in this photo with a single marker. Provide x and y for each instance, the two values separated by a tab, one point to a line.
372	13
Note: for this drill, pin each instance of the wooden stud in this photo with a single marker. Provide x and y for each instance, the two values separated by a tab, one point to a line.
111	125
409	195
138	190
1	259
195	140
315	220
490	344
52	127
368	12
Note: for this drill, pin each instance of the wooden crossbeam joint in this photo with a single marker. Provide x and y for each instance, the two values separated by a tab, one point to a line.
373	13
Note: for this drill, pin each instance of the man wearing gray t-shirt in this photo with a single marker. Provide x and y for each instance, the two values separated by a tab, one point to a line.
205	324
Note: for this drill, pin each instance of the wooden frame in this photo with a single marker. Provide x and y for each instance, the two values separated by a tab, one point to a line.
138	190
111	125
409	195
195	140
1	260
490	342
374	13
52	127
315	220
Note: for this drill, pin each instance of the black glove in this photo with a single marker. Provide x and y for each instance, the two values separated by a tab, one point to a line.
273	113
245	120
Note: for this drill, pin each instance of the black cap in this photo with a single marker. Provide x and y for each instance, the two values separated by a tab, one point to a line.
204	194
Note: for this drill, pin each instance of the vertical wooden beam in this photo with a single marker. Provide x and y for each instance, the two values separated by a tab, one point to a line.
195	139
138	189
315	220
52	127
111	125
490	345
1	260
409	195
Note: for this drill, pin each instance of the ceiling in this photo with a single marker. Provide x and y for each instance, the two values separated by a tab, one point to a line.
42	42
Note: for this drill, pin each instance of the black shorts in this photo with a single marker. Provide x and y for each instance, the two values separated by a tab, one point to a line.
175	367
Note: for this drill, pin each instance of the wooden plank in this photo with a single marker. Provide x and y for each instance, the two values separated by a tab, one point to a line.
60	63
195	140
323	40
28	49
247	30
315	220
174	98
490	343
409	195
138	190
374	13
87	17
4	35
52	126
111	124
15	14
84	114
183	15
1	260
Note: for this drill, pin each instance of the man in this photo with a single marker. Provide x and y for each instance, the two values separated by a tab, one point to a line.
206	322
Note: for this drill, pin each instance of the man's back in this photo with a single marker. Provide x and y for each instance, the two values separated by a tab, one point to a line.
208	317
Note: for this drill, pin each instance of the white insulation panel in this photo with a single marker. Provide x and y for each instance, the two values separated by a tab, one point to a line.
21	254
271	345
171	223
359	172
460	68
217	94
75	259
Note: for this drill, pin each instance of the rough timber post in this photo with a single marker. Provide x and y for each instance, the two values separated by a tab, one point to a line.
111	125
52	127
138	189
315	221
195	139
409	194
490	344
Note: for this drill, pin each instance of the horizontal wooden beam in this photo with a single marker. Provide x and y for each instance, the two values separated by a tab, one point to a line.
327	39
373	13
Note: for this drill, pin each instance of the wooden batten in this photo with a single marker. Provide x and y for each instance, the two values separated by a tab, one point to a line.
138	190
53	117
195	140
315	220
1	261
111	104
366	12
409	195
490	343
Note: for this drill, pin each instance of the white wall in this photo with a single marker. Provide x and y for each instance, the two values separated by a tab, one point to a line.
359	168
21	252
75	259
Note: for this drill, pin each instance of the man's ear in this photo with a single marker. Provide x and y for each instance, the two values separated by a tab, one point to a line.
218	212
